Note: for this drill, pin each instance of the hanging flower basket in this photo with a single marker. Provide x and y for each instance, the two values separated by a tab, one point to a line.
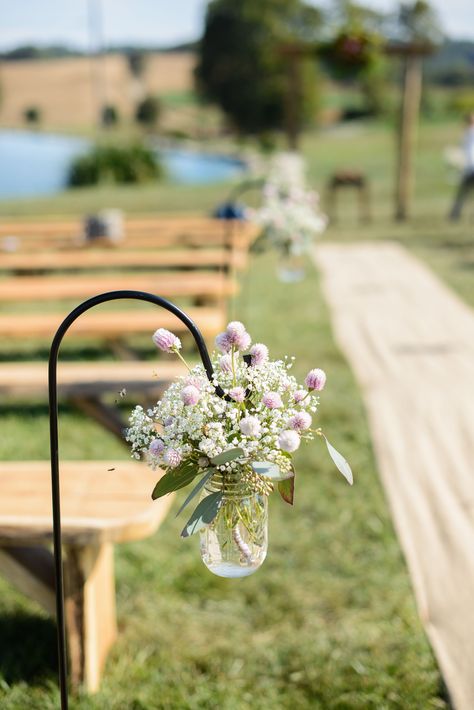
350	53
232	450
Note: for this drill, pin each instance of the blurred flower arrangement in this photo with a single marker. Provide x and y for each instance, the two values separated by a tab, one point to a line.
234	448
290	215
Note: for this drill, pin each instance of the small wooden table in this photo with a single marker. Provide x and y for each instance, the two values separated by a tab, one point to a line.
102	503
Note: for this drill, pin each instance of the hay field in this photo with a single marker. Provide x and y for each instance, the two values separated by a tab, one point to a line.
66	90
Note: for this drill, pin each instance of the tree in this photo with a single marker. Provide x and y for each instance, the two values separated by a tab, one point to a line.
110	115
137	61
241	66
354	51
418	23
148	111
32	115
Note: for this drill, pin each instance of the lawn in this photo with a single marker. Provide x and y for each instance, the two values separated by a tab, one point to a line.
329	621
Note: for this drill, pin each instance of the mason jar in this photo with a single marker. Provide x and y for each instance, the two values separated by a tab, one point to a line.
235	543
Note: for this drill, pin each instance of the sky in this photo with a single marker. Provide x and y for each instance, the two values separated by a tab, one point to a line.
153	22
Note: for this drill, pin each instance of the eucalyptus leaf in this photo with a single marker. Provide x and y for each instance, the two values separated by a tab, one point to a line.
340	461
196	490
271	471
227	456
204	514
286	489
175	479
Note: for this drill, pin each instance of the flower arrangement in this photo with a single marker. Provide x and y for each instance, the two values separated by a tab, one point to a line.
290	215
235	447
291	219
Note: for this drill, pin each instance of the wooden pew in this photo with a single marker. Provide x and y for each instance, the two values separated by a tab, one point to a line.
110	325
86	379
203	286
122	258
102	503
145	232
85	384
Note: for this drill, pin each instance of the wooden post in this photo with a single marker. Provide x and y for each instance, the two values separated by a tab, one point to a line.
293	99
408	121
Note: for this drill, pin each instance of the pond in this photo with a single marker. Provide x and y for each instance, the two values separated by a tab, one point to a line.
35	164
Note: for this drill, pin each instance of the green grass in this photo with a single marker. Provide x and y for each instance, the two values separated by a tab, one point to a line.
329	621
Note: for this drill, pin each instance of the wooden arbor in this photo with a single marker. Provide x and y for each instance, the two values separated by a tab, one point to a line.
412	52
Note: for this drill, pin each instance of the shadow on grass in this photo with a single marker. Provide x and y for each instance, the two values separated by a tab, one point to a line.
28	648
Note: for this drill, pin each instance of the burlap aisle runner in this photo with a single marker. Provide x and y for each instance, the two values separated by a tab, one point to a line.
410	341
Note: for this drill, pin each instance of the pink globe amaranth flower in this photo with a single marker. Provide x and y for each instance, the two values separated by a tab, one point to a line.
289	440
315	379
172	458
237	394
258	354
242	342
190	395
166	341
300	421
156	447
300	395
223	343
234	330
250	426
272	400
225	363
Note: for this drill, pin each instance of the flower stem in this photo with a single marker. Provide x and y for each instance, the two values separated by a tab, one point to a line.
182	359
242	546
234	379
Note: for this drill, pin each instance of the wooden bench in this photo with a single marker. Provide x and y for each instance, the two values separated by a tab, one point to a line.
196	285
86	383
115	258
147	232
110	325
29	379
102	503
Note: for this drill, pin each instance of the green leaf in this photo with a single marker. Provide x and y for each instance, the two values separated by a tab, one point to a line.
227	456
175	479
196	490
286	489
271	471
204	514
340	462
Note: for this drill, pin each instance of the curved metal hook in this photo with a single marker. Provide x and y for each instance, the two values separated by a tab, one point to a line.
54	446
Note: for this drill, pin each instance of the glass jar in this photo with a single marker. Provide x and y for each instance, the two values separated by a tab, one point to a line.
291	267
235	543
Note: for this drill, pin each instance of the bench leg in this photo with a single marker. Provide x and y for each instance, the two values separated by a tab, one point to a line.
31	571
90	611
106	415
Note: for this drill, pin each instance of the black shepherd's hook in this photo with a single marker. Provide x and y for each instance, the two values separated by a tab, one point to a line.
53	434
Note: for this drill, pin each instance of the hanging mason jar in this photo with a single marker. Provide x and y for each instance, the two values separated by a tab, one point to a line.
291	264
235	543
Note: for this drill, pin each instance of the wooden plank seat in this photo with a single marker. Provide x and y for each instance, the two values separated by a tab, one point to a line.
28	379
123	258
196	285
102	503
152	225
145	232
85	384
110	325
